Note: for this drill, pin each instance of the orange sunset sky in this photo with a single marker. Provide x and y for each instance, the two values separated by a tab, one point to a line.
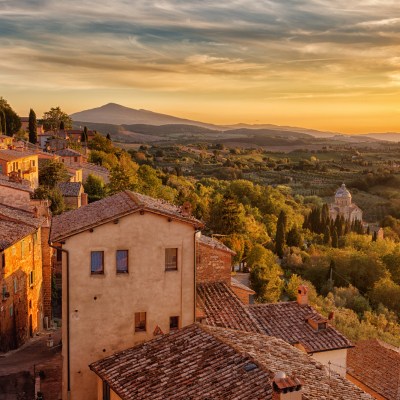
330	65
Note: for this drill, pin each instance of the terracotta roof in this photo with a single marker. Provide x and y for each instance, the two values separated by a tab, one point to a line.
12	232
214	243
223	308
240	285
68	153
199	362
288	321
110	208
275	355
70	189
24	185
191	363
15	224
376	365
9	155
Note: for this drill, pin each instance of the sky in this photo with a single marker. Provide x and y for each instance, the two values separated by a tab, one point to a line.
323	64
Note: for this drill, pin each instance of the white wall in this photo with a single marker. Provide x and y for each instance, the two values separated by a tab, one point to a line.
336	357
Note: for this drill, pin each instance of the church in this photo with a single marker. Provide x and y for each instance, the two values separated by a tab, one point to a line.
344	207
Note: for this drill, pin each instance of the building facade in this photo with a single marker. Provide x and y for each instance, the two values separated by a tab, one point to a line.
344	207
128	276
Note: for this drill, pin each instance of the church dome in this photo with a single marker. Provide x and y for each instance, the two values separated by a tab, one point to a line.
342	192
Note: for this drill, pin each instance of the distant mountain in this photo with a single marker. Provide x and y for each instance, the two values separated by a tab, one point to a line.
389	136
124	122
116	114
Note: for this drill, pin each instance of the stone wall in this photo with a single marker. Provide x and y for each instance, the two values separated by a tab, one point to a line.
21	311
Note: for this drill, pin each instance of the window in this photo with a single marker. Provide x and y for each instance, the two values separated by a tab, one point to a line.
122	261
97	262
106	391
140	322
75	159
171	259
3	260
173	323
31	278
15	284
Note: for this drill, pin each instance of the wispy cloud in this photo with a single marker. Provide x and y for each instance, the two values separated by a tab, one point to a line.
242	46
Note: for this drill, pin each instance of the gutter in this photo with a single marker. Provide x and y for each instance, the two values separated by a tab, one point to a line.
195	274
68	338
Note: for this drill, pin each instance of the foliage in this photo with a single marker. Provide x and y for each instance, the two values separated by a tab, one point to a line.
266	281
52	172
56	119
95	188
10	122
280	234
57	205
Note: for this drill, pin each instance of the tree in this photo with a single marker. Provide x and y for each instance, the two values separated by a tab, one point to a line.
84	135
335	239
280	238
121	180
32	126
10	121
94	187
266	282
51	173
108	137
53	118
57	205
294	237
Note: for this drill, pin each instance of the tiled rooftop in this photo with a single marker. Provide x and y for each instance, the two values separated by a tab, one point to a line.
15	224
24	185
10	155
12	232
70	189
288	321
191	363
223	308
68	153
376	365
276	355
199	362
109	208
240	285
215	244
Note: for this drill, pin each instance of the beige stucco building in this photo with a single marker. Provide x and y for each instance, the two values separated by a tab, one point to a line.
128	275
343	206
22	164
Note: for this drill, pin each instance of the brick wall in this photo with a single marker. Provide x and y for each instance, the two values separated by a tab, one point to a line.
212	264
244	295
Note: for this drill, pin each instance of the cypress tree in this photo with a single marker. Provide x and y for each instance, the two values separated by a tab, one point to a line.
84	135
280	234
294	237
32	126
327	235
108	136
62	126
335	239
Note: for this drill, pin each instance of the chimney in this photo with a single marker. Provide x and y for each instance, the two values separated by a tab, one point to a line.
186	209
302	295
287	387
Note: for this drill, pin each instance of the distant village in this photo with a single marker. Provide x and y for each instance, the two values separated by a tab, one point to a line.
148	305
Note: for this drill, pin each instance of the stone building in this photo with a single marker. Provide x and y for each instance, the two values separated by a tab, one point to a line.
21	164
128	275
21	279
343	206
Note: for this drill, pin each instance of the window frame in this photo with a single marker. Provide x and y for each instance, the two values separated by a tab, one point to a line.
171	327
167	265
139	328
127	262
91	263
